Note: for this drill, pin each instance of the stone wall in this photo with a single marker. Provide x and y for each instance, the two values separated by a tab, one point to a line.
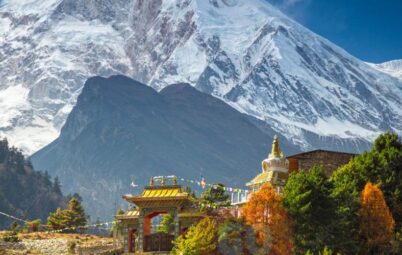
331	160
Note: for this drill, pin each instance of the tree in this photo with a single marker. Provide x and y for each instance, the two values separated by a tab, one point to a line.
24	192
76	196
376	222
75	215
270	220
33	225
117	226
167	223
397	243
13	237
71	219
214	197
55	220
200	239
307	196
383	166
57	185
236	237
15	227
189	191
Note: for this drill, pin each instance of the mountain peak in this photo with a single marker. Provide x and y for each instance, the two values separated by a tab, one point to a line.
134	138
393	68
245	52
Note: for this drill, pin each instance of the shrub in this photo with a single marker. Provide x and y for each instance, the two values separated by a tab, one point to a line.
71	245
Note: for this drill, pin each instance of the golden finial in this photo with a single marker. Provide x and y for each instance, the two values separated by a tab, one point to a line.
276	152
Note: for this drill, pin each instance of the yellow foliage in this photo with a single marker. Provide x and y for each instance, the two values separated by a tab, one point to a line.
269	218
200	239
377	224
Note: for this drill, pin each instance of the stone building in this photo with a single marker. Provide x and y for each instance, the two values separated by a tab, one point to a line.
276	169
330	160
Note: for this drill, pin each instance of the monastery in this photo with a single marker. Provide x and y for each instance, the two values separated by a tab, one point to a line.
164	195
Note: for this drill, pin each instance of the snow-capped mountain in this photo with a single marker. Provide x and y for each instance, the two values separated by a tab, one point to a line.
393	68
243	51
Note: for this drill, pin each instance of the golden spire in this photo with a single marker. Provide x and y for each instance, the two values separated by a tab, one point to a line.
276	152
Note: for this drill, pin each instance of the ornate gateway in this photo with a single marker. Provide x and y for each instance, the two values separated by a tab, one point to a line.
156	200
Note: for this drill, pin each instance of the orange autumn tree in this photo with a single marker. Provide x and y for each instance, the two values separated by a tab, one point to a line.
377	224
265	212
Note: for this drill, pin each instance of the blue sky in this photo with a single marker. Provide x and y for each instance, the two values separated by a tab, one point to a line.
370	30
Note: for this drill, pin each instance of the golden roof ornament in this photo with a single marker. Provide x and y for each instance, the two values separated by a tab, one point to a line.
276	152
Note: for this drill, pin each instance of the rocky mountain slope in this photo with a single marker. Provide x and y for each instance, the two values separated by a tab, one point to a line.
24	192
393	68
122	131
243	51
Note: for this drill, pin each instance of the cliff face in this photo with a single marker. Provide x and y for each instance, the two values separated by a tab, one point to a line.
122	131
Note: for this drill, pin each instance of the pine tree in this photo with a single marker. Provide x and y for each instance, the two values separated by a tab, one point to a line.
377	224
214	197
56	185
72	219
265	212
55	220
307	196
383	166
75	215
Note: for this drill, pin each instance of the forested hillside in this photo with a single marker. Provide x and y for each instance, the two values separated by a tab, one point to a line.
24	192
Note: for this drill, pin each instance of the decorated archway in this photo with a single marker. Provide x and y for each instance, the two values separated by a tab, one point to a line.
157	199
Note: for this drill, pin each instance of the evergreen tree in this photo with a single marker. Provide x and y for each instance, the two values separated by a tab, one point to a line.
24	192
214	197
46	177
376	222
236	237
307	196
76	196
75	215
167	224
55	220
383	166
56	185
71	219
4	150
